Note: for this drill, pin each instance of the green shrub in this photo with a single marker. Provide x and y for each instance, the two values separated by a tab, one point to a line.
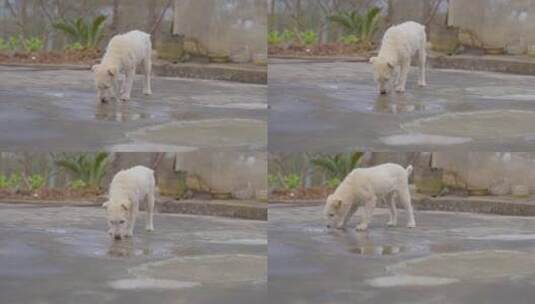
87	33
4	183
333	182
78	184
11	44
14	181
309	37
339	165
287	36
76	46
36	182
292	181
33	44
89	169
350	39
274	38
362	26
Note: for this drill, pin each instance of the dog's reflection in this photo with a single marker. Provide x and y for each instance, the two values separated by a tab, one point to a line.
116	111
398	103
122	248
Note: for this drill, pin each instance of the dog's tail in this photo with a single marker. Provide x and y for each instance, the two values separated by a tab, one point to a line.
409	170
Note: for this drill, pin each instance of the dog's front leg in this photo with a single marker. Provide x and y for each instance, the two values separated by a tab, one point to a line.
131	221
369	206
404	72
128	83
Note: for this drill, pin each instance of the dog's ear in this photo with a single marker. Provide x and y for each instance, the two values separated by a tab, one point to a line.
337	204
95	67
390	65
373	59
105	205
124	207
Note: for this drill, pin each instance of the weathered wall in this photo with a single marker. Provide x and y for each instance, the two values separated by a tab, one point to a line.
486	172
243	174
234	28
495	23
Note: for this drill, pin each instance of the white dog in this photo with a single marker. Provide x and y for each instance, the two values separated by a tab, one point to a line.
123	54
399	44
127	189
363	187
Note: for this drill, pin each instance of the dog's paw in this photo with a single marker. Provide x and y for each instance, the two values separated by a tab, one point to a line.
411	225
422	84
391	224
149	229
362	227
400	89
147	92
124	98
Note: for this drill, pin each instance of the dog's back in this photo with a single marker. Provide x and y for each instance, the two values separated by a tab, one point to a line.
135	182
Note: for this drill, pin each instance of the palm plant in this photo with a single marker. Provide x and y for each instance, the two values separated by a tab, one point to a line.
88	34
337	166
363	26
85	168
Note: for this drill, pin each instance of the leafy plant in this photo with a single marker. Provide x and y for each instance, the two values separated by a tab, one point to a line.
88	34
11	44
333	182
287	36
274	38
36	181
33	44
78	184
362	26
76	46
309	37
339	165
273	181
350	39
14	180
89	169
292	181
4	182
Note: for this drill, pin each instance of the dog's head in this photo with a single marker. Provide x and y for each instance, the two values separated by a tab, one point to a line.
105	81
117	217
333	211
383	73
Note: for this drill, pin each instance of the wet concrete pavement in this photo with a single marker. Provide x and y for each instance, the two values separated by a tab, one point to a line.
54	109
335	106
63	255
448	258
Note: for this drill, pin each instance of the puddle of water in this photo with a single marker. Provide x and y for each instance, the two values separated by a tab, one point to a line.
487	125
505	237
240	106
140	283
409	280
423	139
377	250
242	242
220	132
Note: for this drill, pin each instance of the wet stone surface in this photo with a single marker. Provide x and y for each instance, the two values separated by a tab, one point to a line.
447	258
336	107
64	255
52	110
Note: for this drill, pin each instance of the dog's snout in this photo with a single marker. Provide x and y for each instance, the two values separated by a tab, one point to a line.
328	226
383	92
117	237
103	100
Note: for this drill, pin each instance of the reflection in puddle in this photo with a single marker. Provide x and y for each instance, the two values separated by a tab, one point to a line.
377	250
399	104
122	248
118	112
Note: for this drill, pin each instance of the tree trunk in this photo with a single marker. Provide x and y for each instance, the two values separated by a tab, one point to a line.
115	18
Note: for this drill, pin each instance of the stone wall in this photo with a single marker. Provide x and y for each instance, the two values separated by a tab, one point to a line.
225	28
495	24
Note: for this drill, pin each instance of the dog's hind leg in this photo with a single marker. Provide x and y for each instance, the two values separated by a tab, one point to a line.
147	90
405	198
393	210
150	212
